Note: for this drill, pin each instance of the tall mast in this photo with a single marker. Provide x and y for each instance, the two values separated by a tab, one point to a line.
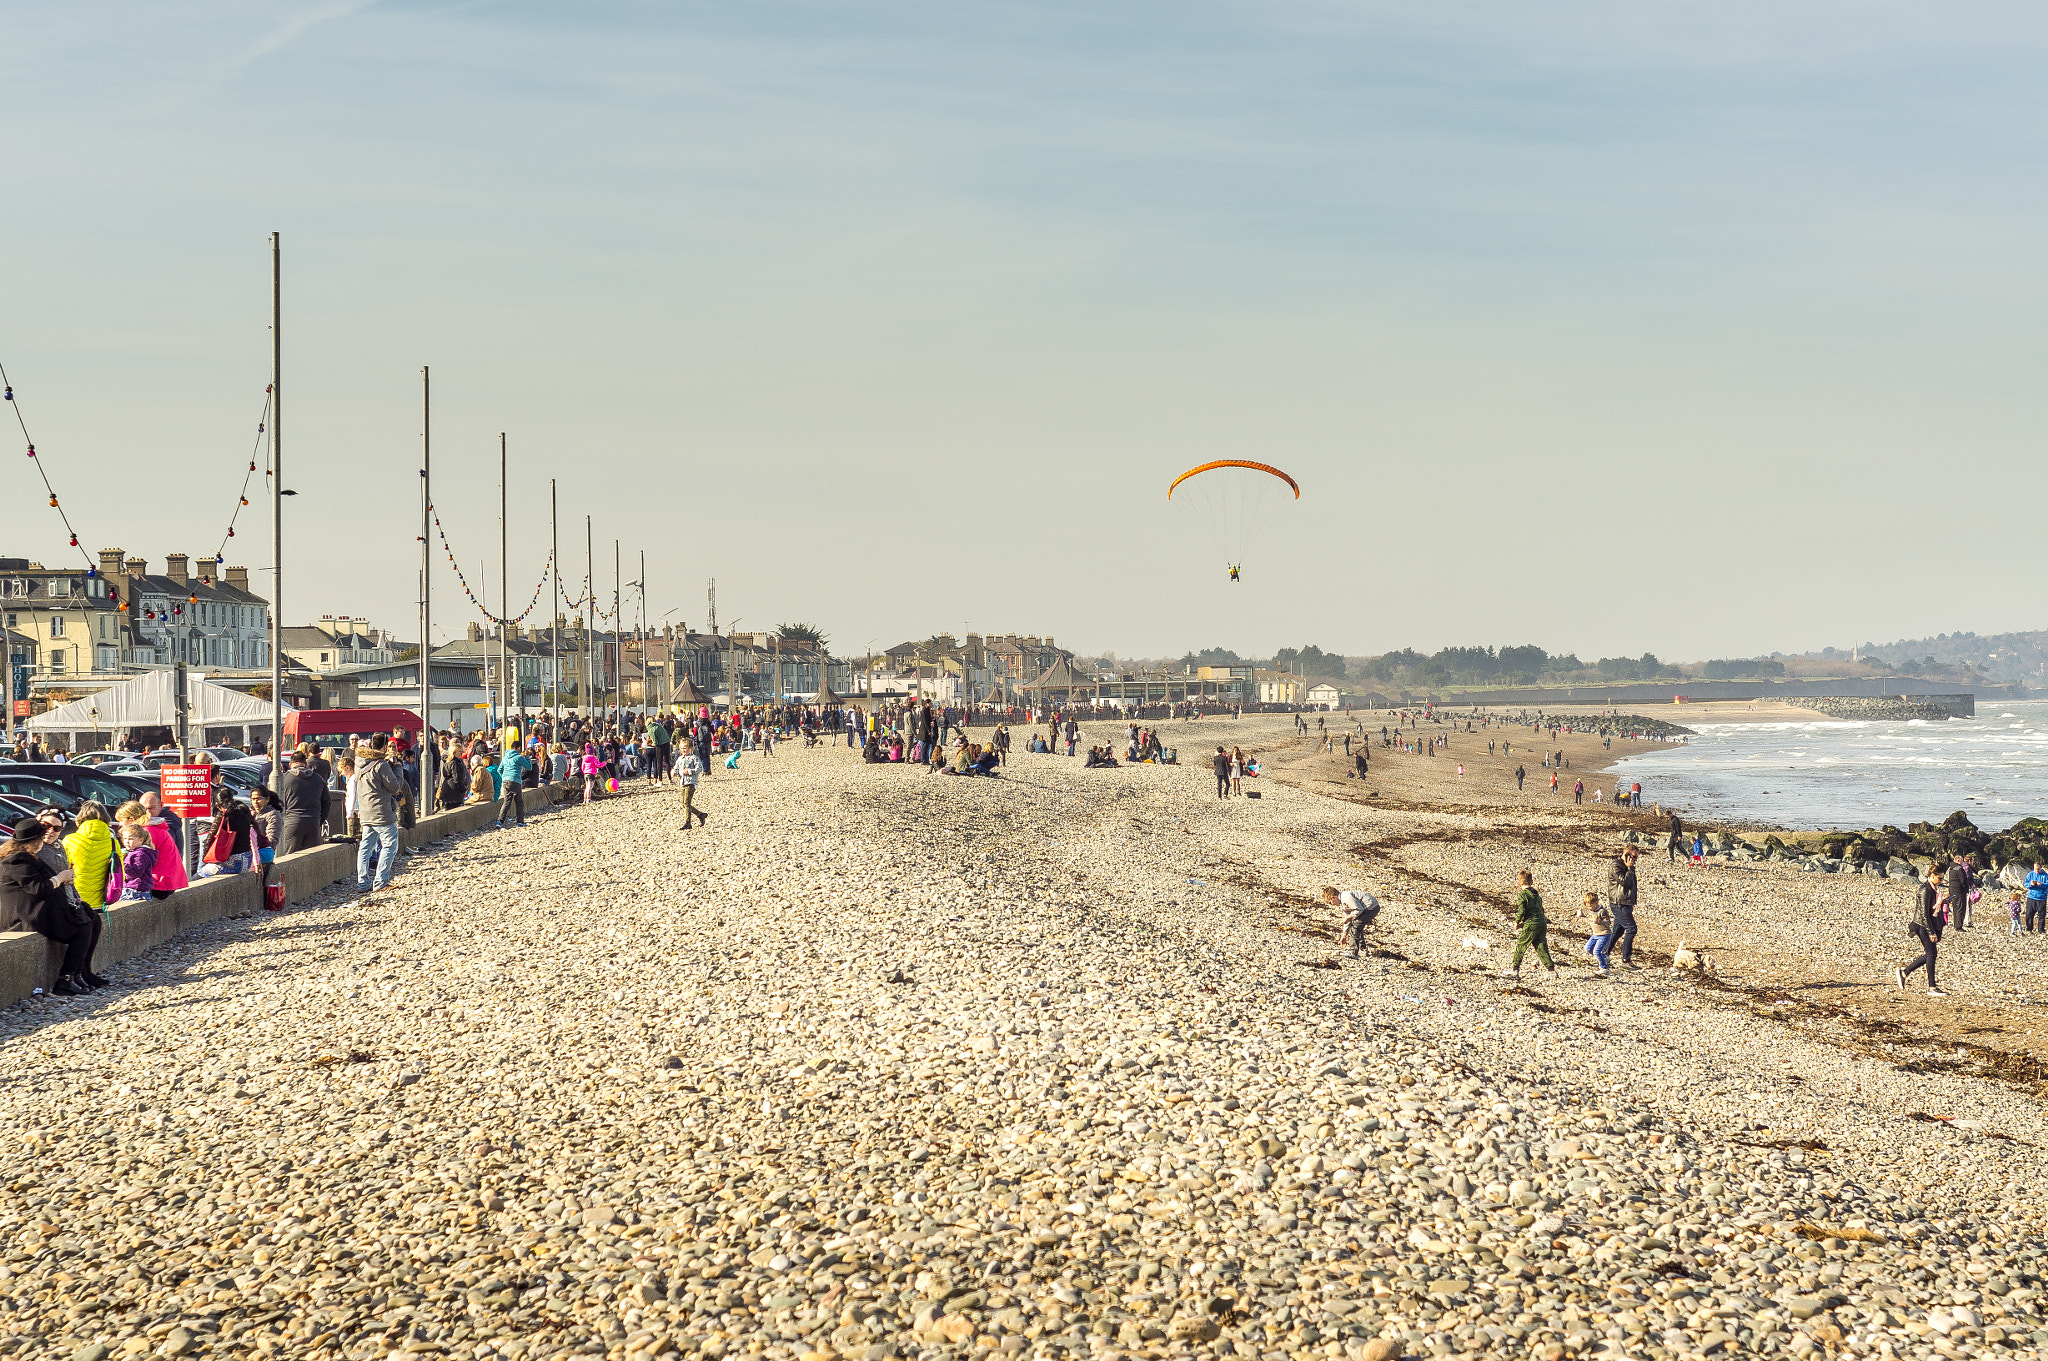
427	752
504	592
618	629
589	617
276	514
555	615
645	673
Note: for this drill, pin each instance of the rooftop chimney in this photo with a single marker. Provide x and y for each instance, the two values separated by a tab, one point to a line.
110	563
138	567
238	577
476	632
174	567
207	568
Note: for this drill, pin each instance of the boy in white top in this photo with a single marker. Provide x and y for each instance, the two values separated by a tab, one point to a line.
1360	909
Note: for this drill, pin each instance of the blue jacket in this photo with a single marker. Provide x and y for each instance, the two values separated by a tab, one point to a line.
2037	886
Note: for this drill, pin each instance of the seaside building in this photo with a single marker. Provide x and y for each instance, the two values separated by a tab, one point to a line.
528	673
61	622
339	640
193	612
1324	695
74	624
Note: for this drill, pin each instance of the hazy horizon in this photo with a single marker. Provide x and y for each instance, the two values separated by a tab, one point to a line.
1709	334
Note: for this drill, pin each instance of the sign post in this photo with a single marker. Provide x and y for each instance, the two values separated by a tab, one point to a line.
187	790
190	849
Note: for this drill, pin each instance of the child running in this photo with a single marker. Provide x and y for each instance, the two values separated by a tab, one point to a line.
1533	931
1602	939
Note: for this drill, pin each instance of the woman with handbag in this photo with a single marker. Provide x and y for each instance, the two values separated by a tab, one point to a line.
228	849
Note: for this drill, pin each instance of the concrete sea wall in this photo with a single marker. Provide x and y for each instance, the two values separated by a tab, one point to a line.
29	961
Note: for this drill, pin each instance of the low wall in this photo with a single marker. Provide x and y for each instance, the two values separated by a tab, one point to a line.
29	961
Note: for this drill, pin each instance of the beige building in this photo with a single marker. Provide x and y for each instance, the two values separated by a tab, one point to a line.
194	612
1280	687
339	640
68	623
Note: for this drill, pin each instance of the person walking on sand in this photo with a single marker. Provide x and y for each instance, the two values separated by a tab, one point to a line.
1532	931
1923	926
1520	775
1677	835
1621	906
1221	763
688	770
1578	791
1553	781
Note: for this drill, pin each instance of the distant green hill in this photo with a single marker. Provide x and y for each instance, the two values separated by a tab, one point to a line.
2002	658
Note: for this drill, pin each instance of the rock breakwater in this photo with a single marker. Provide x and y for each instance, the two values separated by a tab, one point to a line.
1887	709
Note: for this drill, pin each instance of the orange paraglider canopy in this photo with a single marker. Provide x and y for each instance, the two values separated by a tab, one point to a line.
1235	463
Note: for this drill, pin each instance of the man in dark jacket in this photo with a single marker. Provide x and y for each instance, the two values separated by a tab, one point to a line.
1677	835
305	803
1621	902
1221	762
1922	925
1958	885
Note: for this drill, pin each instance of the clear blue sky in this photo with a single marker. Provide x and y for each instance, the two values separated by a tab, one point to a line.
1613	327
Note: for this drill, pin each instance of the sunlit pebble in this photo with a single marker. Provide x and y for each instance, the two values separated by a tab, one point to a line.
648	1054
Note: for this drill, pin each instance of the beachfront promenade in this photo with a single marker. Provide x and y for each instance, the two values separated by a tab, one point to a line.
884	1063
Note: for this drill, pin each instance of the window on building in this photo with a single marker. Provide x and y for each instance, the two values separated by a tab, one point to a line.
56	626
56	659
323	656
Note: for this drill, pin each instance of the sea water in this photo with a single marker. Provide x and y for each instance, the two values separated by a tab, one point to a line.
1828	773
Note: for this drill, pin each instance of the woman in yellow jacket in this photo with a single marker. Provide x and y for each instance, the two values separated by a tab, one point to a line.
90	851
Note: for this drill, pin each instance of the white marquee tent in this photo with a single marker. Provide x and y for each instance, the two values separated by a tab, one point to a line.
150	701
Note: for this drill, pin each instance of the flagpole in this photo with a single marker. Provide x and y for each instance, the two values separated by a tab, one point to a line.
427	749
276	515
555	623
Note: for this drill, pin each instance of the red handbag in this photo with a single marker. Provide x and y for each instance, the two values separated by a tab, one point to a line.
221	846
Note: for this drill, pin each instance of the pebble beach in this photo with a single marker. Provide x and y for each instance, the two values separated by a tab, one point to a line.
883	1064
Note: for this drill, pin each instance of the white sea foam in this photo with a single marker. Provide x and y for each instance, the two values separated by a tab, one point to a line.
1823	774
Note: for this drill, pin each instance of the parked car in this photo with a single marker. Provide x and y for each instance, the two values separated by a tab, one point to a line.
101	758
90	782
14	810
36	790
169	756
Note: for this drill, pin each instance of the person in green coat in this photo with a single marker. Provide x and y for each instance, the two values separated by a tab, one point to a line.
1532	930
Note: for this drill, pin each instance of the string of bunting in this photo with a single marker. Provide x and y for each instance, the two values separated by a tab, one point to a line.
220	553
497	619
589	598
43	472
